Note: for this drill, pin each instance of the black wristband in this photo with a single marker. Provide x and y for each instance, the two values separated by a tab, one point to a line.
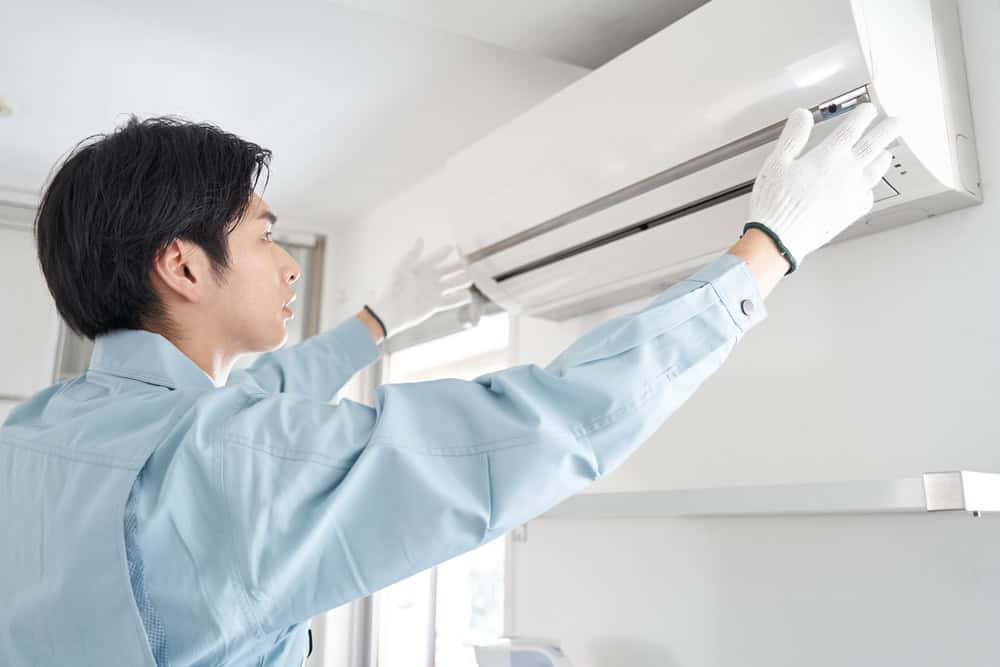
774	237
385	332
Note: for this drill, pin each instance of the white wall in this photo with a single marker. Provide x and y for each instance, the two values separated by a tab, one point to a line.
878	590
880	360
363	252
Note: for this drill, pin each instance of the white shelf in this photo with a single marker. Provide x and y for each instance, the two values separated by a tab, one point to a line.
932	492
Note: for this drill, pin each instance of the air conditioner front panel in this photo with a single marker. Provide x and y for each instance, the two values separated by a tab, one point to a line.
679	94
600	192
648	205
541	273
690	243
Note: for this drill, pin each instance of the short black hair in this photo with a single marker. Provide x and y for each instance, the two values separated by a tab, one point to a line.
119	199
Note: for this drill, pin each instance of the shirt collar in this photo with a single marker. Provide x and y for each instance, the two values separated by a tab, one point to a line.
148	357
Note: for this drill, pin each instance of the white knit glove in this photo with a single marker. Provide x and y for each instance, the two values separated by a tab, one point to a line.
421	287
803	202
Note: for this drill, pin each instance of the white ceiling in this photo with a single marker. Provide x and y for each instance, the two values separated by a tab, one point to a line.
587	33
356	102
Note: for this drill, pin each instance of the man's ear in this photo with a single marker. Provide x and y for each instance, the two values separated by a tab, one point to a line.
183	269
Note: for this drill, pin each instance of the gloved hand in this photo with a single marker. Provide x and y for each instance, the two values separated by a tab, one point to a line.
421	287
803	202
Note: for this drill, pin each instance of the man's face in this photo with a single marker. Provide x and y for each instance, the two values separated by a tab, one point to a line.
258	284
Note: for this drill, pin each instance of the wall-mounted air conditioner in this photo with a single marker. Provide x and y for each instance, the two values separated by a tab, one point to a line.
640	172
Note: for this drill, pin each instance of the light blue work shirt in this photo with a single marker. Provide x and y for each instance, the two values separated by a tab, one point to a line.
150	517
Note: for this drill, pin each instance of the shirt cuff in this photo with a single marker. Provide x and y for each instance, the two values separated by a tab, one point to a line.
355	341
736	288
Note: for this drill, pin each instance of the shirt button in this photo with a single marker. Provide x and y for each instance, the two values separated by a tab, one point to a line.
747	307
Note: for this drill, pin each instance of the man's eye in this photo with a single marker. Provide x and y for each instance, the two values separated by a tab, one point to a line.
267	235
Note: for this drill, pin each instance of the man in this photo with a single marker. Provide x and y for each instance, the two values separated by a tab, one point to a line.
161	509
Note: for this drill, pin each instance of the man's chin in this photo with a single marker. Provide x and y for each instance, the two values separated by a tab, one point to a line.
281	339
275	341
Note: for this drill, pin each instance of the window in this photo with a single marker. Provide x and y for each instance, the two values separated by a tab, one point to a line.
29	340
434	618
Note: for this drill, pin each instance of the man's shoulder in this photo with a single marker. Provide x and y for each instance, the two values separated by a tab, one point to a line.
119	423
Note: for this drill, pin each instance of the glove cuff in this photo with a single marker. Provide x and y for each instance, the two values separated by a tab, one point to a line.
792	263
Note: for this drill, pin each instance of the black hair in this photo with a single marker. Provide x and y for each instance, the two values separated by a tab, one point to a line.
119	199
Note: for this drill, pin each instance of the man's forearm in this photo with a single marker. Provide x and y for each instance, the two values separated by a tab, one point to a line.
372	324
766	265
762	257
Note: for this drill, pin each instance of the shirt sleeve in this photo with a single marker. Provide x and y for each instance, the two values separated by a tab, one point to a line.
332	502
317	367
